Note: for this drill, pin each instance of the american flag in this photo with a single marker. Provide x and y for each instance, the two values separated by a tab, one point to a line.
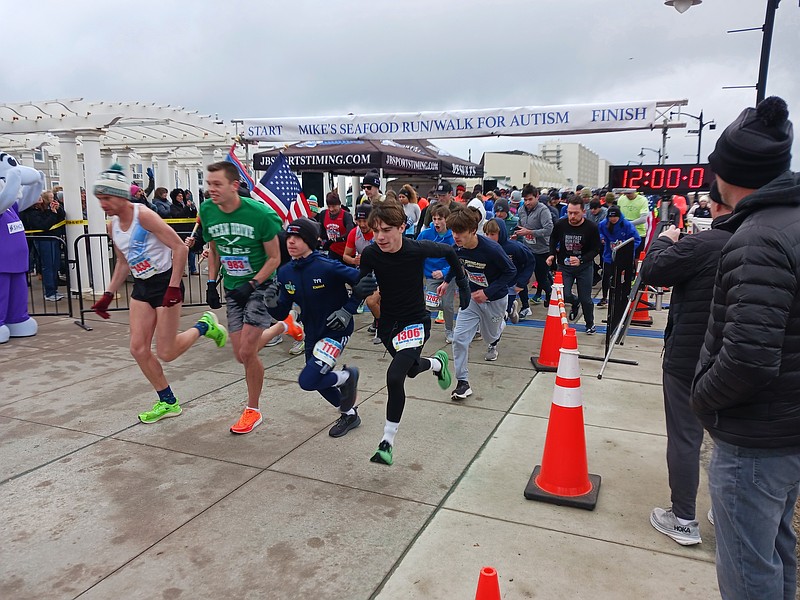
280	189
244	176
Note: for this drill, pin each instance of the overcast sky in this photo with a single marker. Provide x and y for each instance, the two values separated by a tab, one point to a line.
328	57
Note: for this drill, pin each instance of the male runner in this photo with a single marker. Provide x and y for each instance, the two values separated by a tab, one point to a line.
490	273
405	323
318	286
148	248
243	238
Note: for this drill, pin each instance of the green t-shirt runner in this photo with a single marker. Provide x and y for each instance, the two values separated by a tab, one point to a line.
239	237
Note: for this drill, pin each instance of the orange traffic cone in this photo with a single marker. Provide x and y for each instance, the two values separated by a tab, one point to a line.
641	315
563	477
553	332
488	585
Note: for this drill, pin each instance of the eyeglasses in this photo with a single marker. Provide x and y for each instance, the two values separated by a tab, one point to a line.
368	187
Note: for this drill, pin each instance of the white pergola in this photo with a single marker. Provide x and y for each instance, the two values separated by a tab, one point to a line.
170	138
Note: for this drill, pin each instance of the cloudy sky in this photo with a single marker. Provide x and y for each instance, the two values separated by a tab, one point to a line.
274	58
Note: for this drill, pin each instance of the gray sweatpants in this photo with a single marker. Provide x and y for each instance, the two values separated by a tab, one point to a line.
490	316
446	302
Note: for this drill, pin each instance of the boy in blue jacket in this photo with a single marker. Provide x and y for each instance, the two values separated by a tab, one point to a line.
523	258
614	229
490	273
436	269
317	285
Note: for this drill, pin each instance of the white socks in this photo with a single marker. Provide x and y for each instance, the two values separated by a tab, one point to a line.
389	431
341	377
436	364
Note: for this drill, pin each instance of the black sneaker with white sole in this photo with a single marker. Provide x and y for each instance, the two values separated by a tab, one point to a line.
462	391
344	424
349	389
591	330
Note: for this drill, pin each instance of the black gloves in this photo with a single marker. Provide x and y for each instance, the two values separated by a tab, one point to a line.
365	287
464	293
271	293
212	295
339	319
241	293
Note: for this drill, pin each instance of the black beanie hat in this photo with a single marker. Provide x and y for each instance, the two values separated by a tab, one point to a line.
756	147
306	229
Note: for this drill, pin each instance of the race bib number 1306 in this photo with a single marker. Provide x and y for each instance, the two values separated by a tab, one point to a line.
412	336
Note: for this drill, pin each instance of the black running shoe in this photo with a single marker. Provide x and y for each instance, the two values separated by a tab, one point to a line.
573	312
462	391
373	328
344	424
349	389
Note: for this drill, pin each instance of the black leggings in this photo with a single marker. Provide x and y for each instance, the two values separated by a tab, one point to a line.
405	363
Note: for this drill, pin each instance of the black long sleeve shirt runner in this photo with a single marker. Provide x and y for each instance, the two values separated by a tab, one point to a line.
568	240
400	277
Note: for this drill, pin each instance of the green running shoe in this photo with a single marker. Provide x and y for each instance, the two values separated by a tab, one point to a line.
444	375
383	454
160	411
216	332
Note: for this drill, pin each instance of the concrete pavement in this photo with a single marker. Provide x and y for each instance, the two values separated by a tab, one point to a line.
97	505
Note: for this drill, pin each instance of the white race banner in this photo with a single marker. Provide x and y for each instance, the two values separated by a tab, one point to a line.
526	120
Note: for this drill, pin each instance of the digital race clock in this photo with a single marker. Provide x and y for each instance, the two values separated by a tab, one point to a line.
655	179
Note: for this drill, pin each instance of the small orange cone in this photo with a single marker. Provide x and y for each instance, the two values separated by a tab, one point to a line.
641	315
563	477
553	332
488	585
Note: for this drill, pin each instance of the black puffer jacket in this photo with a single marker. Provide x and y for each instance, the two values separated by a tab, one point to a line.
689	267
747	388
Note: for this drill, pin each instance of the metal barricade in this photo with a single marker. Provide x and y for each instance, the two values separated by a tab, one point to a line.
92	277
48	259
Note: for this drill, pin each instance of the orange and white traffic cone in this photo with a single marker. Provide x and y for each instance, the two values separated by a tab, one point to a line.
488	585
641	314
547	360
563	477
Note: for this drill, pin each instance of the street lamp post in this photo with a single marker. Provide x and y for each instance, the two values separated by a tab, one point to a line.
699	131
660	154
766	39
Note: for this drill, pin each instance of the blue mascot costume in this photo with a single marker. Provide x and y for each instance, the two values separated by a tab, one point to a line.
20	188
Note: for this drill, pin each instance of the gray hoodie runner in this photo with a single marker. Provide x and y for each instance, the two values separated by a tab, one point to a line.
540	221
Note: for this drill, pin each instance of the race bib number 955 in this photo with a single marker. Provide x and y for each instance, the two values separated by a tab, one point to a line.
412	336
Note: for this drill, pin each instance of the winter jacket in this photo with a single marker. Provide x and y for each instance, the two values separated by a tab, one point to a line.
43	221
162	207
623	230
747	387
689	268
436	264
540	221
520	254
317	285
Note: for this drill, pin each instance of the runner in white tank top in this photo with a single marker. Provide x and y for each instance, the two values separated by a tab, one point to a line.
145	253
147	248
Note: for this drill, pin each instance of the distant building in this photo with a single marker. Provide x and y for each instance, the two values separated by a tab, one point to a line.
576	162
602	172
516	168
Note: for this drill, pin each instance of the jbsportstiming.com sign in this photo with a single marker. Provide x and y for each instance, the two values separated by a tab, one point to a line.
526	120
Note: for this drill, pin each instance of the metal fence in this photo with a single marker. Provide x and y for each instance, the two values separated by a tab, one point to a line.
94	264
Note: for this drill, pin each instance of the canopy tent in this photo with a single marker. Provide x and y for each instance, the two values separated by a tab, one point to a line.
449	165
360	156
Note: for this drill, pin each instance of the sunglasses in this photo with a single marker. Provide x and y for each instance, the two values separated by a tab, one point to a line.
367	187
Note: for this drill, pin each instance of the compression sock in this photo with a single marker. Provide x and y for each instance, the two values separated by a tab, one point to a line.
167	396
201	327
389	431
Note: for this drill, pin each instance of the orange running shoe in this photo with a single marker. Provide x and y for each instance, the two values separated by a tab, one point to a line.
439	318
293	328
247	422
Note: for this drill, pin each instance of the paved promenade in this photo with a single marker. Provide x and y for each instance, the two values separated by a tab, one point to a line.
98	506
